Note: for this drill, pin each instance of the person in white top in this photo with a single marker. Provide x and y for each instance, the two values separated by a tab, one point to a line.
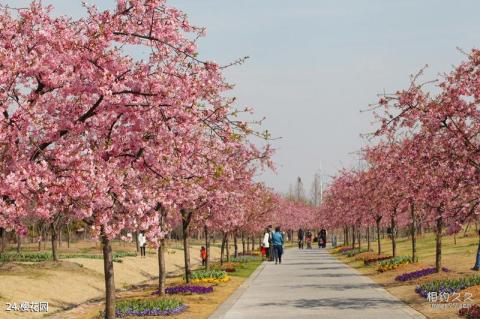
142	242
266	242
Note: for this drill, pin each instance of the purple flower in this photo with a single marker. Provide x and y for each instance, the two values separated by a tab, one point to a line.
150	312
187	290
417	274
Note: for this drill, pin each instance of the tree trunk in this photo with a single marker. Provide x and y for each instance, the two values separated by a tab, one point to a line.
162	272
227	250
248	245
54	242
359	238
253	243
68	236
466	229
353	237
243	243
414	232
438	240
2	240
137	246
347	235
368	238
477	260
207	247
393	227
60	229
222	250
109	279
235	245
186	218
19	243
379	246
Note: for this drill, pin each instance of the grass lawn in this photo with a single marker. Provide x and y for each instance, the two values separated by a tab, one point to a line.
459	258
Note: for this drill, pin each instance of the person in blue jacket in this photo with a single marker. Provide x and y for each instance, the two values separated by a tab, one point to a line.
277	240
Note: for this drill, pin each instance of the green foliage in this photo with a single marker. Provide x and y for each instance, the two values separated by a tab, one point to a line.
396	260
245	259
140	305
247	269
353	252
450	284
44	256
213	273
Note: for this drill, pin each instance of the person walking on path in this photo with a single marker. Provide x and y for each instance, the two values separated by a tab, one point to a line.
142	243
277	240
270	243
203	255
308	238
266	243
301	238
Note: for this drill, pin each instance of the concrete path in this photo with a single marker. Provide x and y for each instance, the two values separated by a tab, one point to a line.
311	284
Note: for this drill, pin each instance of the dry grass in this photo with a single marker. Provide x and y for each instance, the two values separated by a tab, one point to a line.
69	283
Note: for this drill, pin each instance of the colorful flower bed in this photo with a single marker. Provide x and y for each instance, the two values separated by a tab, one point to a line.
470	313
373	260
230	270
417	274
447	285
187	289
149	307
245	259
227	265
344	249
249	254
353	252
210	276
393	263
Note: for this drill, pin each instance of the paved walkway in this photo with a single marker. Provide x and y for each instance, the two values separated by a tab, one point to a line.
311	284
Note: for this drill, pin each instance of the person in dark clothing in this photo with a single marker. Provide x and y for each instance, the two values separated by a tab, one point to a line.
270	241
301	238
277	240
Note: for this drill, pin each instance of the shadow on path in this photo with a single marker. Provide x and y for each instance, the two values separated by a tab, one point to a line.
336	303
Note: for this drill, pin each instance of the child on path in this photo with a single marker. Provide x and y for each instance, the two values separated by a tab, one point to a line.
203	255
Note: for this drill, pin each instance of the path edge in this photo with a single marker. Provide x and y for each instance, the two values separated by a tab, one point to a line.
408	310
228	304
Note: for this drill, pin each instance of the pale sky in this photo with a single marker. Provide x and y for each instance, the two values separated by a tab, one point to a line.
316	63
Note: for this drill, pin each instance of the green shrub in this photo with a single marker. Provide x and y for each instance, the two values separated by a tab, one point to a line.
213	273
44	256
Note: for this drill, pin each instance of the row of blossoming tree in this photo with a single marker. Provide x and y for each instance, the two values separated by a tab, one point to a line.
424	167
90	132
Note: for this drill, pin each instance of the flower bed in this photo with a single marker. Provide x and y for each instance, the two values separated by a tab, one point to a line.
44	256
210	276
249	254
353	252
447	286
393	263
344	249
373	260
417	274
470	313
245	259
230	270
149	307
187	289
225	266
